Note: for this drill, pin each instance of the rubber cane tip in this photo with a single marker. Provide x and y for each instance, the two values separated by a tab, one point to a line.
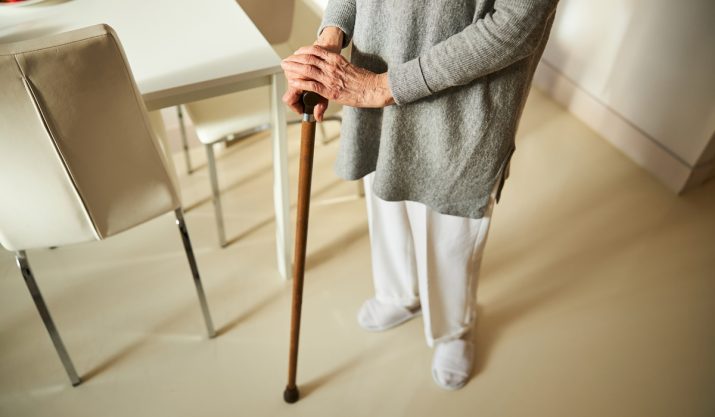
310	99
291	395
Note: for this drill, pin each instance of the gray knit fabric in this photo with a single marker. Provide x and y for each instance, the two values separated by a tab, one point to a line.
460	71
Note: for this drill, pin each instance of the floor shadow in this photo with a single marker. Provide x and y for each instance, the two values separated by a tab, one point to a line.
548	212
230	187
492	322
312	385
126	351
253	229
335	247
309	387
553	278
256	308
114	359
189	310
265	222
132	347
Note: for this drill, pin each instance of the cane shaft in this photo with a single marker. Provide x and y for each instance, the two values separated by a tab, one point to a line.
301	237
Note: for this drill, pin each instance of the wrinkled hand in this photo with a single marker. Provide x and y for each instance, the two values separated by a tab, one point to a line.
313	68
293	96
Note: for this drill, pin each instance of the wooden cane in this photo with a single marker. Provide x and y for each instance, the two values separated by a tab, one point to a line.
307	142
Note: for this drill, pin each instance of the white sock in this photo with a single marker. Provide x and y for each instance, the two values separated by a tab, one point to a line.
452	363
376	316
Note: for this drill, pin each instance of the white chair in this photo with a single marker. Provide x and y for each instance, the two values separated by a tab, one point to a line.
238	115
78	158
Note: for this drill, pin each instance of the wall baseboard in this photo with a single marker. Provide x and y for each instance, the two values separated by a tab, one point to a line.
701	174
633	142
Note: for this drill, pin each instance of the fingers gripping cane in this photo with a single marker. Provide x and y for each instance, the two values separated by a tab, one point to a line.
307	142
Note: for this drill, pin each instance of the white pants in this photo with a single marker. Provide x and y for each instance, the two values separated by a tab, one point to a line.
421	257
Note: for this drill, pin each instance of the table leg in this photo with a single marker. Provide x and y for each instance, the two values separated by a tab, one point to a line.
281	195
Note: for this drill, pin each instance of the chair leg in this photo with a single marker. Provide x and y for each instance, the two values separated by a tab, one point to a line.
323	134
24	265
184	140
361	188
216	194
324	137
195	272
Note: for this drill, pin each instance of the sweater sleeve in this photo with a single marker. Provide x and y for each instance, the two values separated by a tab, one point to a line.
341	14
510	32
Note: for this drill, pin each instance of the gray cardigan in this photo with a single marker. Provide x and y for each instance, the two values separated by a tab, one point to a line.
460	72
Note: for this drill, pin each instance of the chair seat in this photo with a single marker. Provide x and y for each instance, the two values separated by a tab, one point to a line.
218	117
235	115
215	118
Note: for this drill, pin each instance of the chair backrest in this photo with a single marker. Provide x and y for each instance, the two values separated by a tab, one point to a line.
271	17
78	158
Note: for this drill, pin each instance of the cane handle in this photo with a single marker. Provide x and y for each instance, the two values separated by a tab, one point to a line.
310	99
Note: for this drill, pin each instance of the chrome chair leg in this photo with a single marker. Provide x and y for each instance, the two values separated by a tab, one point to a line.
213	172
24	265
361	188
195	272
324	136
184	140
216	194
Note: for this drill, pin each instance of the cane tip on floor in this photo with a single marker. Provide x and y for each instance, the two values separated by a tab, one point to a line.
291	395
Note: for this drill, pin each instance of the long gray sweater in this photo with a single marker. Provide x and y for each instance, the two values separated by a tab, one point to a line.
460	72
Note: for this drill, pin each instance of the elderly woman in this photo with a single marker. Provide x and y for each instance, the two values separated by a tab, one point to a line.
433	95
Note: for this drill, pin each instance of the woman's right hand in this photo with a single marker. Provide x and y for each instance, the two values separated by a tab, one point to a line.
331	39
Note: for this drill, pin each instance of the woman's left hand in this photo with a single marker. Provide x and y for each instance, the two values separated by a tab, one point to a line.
313	68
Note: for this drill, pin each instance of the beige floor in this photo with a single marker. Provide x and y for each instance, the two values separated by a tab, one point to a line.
597	299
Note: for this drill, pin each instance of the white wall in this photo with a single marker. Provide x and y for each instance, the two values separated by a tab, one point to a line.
272	17
641	73
292	23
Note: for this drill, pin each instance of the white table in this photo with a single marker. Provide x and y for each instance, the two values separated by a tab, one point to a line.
180	51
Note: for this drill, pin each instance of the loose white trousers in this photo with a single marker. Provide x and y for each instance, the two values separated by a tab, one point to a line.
421	257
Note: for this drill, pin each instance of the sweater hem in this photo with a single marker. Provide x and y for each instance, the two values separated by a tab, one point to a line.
449	209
